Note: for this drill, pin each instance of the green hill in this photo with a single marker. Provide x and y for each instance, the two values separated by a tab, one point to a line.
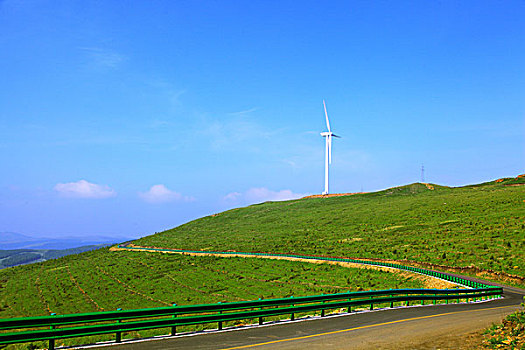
102	280
480	226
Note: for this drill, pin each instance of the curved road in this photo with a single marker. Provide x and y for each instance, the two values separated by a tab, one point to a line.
399	328
421	327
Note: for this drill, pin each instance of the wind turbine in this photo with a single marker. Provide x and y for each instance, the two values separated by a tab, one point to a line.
328	156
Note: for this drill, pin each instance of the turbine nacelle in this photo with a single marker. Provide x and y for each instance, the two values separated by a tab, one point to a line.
326	133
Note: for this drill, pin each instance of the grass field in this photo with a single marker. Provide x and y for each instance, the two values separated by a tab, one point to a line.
103	280
481	226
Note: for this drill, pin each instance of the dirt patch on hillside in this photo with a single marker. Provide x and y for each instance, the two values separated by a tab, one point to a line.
511	185
428	281
496	275
429	186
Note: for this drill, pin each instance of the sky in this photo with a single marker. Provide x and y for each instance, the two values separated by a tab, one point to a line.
128	118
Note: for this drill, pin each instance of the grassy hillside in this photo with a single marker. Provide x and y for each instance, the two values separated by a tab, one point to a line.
480	225
104	280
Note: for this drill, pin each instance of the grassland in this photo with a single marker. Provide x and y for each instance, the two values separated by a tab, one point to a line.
480	226
102	280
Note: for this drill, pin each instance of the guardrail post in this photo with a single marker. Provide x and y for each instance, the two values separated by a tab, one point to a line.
260	317
408	302
349	306
52	341
118	335
392	302
292	316
322	310
220	322
174	328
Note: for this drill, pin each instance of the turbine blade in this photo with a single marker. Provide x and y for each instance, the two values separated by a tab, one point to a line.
326	115
334	135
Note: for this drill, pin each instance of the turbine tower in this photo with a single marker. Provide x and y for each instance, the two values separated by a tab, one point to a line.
328	155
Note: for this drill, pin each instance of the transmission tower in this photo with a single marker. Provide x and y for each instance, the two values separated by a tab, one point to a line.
422	174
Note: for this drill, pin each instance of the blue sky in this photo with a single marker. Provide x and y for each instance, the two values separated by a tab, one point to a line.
127	118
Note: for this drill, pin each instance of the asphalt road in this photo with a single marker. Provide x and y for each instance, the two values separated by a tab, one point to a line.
399	328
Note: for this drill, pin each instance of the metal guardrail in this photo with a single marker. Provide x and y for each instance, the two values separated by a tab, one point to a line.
29	329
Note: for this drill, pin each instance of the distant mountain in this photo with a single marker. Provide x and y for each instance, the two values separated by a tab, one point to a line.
12	237
13	240
15	257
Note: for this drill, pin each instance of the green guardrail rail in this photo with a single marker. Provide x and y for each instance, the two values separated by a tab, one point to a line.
53	327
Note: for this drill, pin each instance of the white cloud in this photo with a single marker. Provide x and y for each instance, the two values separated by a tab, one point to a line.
104	57
259	195
84	189
233	196
246	111
174	96
171	92
236	129
161	194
